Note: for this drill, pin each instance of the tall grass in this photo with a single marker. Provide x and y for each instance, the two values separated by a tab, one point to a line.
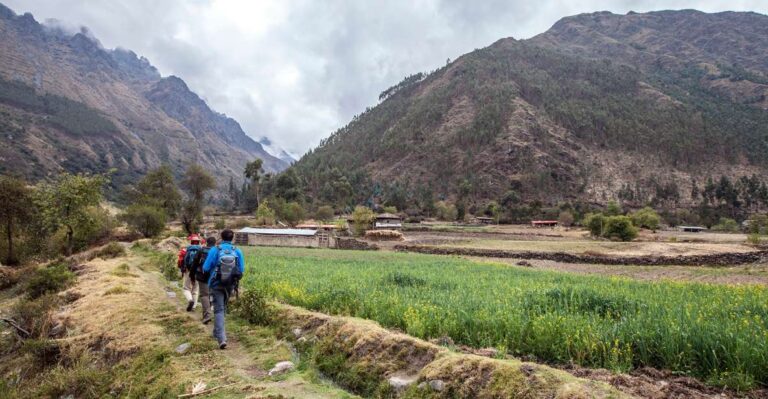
715	332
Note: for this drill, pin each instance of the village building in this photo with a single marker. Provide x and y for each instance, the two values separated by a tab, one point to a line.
388	221
543	223
484	220
299	238
692	229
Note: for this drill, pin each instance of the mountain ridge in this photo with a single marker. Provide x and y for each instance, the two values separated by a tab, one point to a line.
158	120
599	105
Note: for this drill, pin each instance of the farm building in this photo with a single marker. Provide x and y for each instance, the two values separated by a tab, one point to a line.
543	223
692	229
388	221
484	220
302	238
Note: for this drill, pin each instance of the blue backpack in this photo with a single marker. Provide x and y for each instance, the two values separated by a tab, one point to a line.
227	272
189	259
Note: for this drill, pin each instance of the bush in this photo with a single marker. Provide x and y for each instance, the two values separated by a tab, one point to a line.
565	219
34	315
727	225
646	218
362	217
111	250
147	220
265	216
613	209
324	213
754	239
446	212
619	228
49	280
292	213
253	307
595	223
220	224
390	209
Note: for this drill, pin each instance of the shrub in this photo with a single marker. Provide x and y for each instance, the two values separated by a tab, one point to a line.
34	315
111	250
362	217
565	219
265	216
619	228
390	209
117	290
49	280
220	224
253	307
595	223
147	220
446	212
646	218
613	209
727	225
754	239
291	212
324	213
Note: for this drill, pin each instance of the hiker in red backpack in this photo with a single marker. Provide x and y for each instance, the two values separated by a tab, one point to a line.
226	264
185	264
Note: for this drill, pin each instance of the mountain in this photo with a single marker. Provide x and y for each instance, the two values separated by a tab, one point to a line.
68	104
276	151
637	107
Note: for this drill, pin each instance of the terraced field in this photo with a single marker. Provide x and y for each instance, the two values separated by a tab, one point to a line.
718	333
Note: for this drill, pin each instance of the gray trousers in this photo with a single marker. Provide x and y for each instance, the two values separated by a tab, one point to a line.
220	298
205	299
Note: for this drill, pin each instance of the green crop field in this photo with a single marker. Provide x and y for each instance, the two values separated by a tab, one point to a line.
715	332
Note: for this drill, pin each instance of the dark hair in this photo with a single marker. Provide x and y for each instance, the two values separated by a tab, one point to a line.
227	235
210	241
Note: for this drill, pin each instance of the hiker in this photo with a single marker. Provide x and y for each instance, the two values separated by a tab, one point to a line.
226	264
186	266
202	278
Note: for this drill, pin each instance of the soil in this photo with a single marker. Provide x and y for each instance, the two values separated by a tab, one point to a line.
744	274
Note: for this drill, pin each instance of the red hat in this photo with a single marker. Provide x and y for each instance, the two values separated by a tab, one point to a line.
194	237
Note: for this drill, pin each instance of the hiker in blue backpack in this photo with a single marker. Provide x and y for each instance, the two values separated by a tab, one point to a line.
226	265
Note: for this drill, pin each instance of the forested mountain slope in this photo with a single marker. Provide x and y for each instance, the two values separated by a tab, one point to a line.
638	107
67	104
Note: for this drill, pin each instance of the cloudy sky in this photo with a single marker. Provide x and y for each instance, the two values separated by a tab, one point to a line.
295	71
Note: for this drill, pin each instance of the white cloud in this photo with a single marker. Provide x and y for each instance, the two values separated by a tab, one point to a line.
295	71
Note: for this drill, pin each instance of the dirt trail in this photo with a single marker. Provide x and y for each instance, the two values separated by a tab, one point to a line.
251	352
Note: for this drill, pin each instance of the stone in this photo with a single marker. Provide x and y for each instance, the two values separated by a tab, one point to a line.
524	263
281	368
400	383
297	332
183	348
437	385
170	294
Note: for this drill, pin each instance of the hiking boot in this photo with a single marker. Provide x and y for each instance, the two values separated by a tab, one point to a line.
223	345
190	306
206	319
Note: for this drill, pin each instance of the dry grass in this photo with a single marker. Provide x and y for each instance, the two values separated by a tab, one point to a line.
360	355
384	235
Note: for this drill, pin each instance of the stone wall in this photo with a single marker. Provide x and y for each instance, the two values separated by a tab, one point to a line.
352	243
723	259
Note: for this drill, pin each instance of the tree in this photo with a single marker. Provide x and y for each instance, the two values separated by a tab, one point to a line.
324	213
646	218
292	213
158	189
565	219
362	218
14	209
196	183
253	171
619	228
265	216
613	209
446	212
595	223
65	202
145	219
